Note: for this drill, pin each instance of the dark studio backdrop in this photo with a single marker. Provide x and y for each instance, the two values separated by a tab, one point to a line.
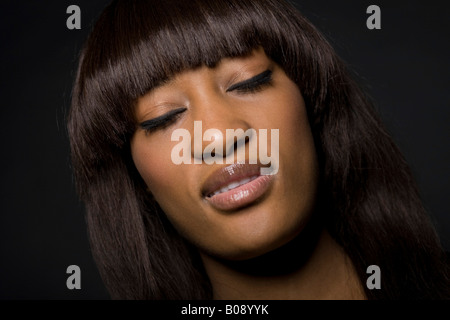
404	66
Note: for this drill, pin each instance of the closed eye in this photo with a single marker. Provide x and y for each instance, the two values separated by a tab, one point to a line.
253	84
163	121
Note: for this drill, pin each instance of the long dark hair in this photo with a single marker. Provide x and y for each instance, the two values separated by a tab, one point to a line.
373	207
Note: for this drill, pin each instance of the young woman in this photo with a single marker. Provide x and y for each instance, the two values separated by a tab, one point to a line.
341	198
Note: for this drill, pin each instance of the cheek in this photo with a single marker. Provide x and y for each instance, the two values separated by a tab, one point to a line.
165	180
298	158
168	183
296	143
152	160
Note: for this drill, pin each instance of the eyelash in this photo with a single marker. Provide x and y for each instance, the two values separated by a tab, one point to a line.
251	85
163	121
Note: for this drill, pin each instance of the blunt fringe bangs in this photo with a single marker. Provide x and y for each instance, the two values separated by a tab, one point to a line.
139	44
373	207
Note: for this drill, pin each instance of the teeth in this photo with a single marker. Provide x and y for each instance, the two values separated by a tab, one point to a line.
233	185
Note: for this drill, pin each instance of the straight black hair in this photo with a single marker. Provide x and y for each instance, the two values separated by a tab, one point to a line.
373	207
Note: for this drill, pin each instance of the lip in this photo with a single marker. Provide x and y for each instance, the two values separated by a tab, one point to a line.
254	187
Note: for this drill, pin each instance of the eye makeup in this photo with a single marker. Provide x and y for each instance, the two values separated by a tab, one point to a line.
162	121
253	84
250	85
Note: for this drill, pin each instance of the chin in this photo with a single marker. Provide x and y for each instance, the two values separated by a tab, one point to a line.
256	242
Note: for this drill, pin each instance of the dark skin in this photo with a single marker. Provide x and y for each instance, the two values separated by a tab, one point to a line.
321	272
237	246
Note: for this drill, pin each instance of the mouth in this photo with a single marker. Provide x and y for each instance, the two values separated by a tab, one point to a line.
235	186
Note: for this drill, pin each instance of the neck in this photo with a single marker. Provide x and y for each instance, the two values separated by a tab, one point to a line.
319	269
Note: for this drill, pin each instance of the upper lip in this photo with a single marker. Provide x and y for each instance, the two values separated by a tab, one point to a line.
226	175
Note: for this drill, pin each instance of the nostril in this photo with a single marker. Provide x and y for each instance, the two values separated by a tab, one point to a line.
236	141
235	145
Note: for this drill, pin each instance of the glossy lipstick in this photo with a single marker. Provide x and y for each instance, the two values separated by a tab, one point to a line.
235	186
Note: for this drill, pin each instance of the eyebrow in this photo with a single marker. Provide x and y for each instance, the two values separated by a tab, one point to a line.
252	80
162	82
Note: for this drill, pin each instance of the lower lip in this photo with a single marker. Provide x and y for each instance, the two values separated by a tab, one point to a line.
241	196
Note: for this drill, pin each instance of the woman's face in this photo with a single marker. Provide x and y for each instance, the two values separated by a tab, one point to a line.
229	210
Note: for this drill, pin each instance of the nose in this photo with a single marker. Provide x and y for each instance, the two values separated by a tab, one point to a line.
221	133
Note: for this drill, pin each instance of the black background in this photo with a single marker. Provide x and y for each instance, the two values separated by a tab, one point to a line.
404	67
